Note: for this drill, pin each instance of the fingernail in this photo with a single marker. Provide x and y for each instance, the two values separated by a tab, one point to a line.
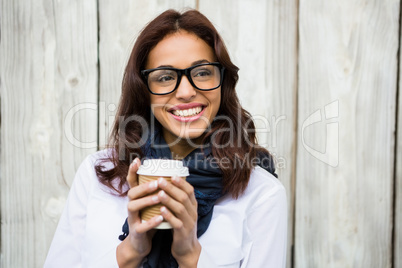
162	182
155	198
153	185
133	163
163	209
176	178
159	218
162	194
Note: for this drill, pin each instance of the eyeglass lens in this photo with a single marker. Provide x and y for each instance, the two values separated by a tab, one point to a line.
204	77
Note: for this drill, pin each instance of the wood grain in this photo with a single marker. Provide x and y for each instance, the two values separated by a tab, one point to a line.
48	65
398	176
261	37
346	118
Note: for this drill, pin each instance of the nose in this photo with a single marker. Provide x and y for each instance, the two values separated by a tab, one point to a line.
185	91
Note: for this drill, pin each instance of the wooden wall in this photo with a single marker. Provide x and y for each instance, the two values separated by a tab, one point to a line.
321	79
49	64
348	69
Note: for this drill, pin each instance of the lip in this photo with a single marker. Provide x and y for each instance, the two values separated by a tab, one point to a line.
184	107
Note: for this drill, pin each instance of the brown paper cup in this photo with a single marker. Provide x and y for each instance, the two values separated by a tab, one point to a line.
153	169
149	212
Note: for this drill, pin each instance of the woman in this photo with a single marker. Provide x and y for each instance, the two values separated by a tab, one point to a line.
178	101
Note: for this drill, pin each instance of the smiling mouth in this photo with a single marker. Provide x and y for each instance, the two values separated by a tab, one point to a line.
188	112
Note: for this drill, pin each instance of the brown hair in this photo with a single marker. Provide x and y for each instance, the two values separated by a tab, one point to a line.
135	101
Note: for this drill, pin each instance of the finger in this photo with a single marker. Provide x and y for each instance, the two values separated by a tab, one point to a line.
186	187
142	190
137	204
144	227
179	195
132	173
170	218
134	207
184	213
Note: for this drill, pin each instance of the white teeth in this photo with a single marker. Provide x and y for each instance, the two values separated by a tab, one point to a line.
188	112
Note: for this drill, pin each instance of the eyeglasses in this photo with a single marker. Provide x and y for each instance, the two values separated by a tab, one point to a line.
165	80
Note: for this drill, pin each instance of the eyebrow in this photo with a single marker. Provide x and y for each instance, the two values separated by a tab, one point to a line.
199	62
192	64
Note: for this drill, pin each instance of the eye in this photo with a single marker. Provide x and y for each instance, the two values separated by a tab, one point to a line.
165	78
202	72
162	76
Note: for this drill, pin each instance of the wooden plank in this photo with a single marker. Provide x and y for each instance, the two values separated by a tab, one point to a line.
261	37
346	118
398	176
48	66
119	26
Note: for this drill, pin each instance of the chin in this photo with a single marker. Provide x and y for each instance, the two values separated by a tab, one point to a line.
183	133
190	134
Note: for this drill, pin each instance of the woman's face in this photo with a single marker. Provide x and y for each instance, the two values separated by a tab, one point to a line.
186	112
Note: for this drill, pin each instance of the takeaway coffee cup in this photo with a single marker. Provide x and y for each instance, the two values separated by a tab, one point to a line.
153	169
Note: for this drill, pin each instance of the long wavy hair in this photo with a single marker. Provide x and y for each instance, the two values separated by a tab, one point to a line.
135	102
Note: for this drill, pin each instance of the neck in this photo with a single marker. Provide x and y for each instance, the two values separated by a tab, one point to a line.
180	148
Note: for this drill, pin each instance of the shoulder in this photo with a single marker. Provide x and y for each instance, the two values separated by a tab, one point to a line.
86	175
101	158
261	187
263	182
236	230
96	157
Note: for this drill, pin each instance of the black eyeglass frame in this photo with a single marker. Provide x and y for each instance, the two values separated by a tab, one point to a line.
180	73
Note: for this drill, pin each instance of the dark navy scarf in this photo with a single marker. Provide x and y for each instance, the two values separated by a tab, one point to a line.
205	177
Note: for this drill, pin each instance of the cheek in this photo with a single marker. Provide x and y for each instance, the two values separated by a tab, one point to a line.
159	114
157	103
216	101
153	99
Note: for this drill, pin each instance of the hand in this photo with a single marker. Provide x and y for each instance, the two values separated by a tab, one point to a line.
180	210
138	243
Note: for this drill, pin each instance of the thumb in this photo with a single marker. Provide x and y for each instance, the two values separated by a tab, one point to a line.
132	177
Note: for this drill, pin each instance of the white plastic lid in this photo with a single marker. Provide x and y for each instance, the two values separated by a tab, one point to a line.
163	167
